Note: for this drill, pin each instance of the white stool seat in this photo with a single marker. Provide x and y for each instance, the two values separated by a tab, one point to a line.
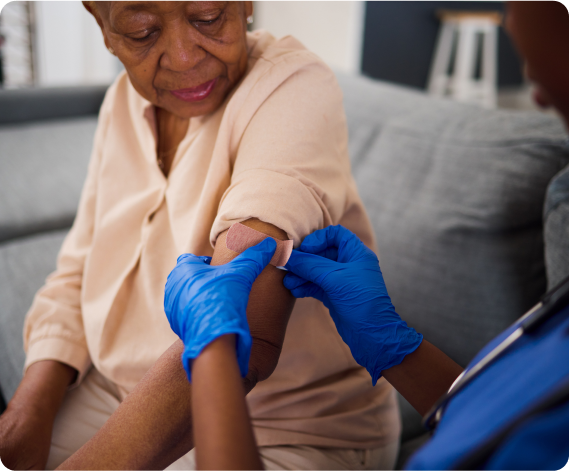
458	39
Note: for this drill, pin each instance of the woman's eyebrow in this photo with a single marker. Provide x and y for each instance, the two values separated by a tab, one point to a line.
135	6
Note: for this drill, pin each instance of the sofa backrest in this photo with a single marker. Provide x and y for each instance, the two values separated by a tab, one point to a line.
46	137
44	104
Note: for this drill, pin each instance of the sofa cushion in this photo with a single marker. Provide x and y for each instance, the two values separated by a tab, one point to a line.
455	194
24	265
42	169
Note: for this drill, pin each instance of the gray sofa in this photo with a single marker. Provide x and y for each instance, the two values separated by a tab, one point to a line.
455	194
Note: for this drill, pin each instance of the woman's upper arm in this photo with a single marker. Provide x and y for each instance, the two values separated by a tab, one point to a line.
291	172
269	308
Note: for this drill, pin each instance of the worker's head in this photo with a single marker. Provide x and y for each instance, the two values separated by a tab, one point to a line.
540	31
184	57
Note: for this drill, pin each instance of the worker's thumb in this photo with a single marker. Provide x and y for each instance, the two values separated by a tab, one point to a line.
259	254
309	266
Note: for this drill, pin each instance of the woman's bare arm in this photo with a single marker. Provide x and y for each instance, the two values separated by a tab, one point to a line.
223	433
152	427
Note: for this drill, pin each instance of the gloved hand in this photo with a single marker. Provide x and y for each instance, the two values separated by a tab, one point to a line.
335	267
203	302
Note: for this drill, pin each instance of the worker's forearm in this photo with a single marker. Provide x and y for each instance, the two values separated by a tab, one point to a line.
224	436
423	376
151	428
42	389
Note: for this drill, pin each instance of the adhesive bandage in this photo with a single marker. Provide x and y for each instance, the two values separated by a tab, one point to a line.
240	238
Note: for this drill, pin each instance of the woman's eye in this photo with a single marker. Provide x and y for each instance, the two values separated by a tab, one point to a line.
144	38
206	22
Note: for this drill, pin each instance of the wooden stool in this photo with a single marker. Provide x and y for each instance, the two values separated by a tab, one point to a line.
458	40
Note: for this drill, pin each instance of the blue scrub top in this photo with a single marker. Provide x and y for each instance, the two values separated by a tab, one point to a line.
534	368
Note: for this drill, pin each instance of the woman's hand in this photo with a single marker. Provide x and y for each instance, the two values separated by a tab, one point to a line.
335	267
25	440
203	302
26	425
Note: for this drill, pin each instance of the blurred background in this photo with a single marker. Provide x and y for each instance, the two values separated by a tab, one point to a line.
57	43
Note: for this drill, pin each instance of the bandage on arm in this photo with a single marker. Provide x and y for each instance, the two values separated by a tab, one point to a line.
269	308
240	238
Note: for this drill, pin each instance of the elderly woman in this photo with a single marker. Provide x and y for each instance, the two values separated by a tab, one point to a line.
209	125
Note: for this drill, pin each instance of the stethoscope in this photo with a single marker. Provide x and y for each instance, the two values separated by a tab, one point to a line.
551	303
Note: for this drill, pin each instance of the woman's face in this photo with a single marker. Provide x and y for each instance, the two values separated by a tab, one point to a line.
184	57
540	31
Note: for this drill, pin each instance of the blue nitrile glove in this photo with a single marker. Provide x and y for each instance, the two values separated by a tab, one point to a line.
335	267
203	302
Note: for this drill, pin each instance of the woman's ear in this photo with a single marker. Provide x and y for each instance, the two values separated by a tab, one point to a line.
248	9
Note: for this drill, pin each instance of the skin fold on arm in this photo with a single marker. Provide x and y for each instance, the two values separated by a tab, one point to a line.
152	427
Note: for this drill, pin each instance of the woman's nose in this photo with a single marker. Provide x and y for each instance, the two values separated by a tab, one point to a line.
182	49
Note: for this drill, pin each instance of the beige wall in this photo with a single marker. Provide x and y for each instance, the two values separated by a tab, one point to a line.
70	46
333	30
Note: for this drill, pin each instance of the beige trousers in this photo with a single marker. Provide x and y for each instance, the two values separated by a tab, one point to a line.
86	408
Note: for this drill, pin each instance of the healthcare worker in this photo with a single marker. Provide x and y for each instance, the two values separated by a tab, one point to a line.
508	410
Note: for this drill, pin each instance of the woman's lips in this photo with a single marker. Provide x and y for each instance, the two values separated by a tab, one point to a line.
201	92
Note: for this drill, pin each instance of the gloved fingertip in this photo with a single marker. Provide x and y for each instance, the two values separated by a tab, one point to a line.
269	244
189	257
292	281
288	282
297	260
260	253
266	245
182	257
